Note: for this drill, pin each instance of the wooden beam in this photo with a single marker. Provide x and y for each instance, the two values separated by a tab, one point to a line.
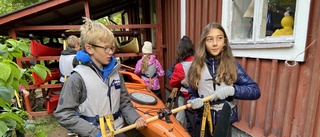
12	34
86	8
49	27
133	26
66	27
159	43
29	11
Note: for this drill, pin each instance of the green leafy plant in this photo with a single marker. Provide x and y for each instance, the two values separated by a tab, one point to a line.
13	119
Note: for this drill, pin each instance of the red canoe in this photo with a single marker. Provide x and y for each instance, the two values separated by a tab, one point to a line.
38	49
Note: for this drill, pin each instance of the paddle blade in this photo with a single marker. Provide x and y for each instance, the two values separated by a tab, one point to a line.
223	121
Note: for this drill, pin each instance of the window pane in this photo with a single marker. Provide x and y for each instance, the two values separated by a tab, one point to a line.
242	19
278	18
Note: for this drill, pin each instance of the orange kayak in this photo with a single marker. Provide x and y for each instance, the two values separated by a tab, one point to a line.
148	105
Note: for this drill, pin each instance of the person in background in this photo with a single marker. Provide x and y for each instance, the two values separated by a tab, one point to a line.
149	68
96	88
184	57
215	71
67	59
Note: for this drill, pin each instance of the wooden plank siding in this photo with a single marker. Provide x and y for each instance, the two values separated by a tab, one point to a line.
199	14
171	29
289	103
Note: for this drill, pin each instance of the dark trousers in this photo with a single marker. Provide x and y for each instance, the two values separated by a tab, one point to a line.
194	122
157	92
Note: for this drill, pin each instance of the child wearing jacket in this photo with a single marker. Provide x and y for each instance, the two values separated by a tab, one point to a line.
95	88
215	71
67	59
150	69
184	57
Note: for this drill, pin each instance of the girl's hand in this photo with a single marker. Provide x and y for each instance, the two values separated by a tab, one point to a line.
223	93
195	103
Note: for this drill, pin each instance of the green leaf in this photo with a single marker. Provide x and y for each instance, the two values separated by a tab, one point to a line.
2	47
41	71
11	62
41	134
22	71
15	84
20	112
12	42
15	70
6	94
2	82
31	127
10	49
2	103
9	81
24	47
20	127
16	53
9	122
5	71
28	75
11	116
24	82
4	53
3	128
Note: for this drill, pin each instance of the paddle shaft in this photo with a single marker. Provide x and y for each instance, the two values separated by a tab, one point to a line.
176	110
127	66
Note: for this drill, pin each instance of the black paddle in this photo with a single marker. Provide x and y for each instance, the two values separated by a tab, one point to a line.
223	122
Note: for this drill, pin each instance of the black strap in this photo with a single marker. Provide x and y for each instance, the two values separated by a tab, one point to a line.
95	120
154	75
116	115
184	86
228	99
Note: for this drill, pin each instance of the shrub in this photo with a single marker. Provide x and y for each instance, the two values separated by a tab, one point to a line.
14	119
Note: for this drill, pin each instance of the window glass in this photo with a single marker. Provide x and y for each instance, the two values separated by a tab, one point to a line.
273	12
267	28
242	20
278	18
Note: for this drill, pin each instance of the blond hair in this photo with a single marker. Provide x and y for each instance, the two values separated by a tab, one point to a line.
145	63
93	32
72	41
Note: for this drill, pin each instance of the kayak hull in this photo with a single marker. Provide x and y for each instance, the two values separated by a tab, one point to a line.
148	105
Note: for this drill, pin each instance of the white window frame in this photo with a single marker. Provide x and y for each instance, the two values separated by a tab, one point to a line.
281	47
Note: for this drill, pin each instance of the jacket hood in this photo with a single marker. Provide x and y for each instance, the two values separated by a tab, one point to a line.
68	51
85	58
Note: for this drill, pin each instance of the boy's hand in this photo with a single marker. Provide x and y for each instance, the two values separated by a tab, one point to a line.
141	123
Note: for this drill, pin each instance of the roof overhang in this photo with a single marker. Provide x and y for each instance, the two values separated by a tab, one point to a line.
60	12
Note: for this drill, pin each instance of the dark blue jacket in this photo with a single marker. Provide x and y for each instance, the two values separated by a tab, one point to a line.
170	71
245	88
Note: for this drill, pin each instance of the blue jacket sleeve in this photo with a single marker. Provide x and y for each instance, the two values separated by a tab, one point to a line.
193	93
170	71
245	87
